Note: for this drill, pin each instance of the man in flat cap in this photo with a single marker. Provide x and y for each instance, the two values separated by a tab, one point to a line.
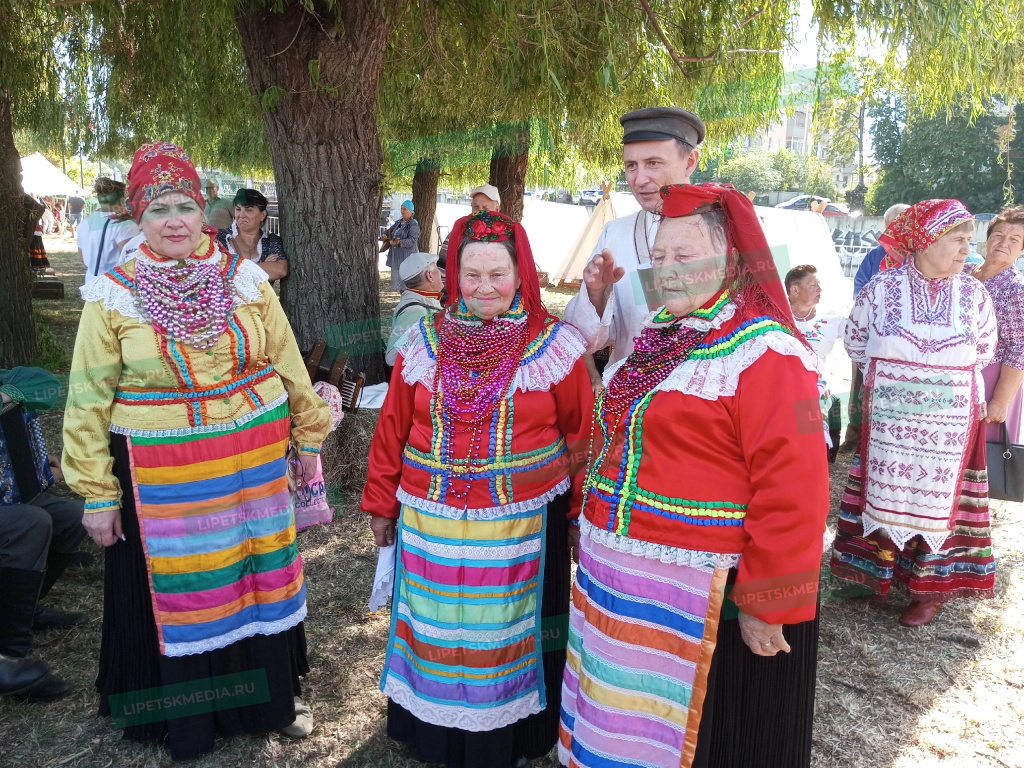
659	147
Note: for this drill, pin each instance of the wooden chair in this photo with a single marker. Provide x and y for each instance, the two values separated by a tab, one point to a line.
336	372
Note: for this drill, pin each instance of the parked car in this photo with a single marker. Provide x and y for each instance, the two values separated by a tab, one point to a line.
803	203
590	197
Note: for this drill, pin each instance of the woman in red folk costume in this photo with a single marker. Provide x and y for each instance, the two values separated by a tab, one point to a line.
707	472
474	460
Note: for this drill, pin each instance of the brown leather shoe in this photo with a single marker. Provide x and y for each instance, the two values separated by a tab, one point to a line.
919	613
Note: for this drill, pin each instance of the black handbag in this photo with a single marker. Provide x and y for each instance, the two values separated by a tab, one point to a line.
1005	469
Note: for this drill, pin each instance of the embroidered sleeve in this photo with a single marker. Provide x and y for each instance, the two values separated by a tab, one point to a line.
95	369
856	333
574	404
987	333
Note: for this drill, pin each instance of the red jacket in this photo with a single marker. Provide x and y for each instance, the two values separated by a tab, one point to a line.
743	473
546	455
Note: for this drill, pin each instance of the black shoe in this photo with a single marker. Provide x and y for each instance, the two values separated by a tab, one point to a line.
19	675
50	618
50	688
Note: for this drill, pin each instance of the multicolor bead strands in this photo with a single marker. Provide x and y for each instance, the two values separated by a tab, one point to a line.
659	348
188	302
476	363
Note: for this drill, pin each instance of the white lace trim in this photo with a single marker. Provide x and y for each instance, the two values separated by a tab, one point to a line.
248	277
450	716
900	534
224	426
484	513
719	376
540	374
114	296
666	554
248	630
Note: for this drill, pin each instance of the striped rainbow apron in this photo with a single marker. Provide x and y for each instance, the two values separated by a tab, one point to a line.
218	531
464	650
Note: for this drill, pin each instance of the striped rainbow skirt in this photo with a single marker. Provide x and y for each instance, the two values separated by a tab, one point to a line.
218	531
641	636
464	650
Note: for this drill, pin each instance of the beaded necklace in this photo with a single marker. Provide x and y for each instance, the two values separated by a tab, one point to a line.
659	348
189	302
476	363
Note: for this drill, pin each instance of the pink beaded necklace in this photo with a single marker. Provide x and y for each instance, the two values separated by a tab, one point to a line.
659	348
187	302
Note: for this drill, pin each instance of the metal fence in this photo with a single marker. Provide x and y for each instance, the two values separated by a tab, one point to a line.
850	257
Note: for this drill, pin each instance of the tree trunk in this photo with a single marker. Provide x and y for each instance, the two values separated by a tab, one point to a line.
17	328
424	199
323	139
508	174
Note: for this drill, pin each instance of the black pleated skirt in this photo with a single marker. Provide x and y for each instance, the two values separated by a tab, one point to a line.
130	659
759	710
533	736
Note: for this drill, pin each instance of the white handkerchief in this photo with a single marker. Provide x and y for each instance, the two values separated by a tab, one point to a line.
384	578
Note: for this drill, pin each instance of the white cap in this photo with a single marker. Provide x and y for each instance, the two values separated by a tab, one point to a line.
414	264
488	190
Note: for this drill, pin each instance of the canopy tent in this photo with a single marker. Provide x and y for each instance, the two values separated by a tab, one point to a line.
41	177
571	267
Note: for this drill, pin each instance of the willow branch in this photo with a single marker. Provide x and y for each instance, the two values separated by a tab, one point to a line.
679	60
755	14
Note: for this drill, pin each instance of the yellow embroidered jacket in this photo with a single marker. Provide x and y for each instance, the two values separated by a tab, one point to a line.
127	378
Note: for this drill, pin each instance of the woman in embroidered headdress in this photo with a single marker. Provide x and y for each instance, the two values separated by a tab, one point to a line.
916	505
185	391
707	475
476	458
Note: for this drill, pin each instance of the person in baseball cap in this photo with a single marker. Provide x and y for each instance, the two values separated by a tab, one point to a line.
485	198
422	285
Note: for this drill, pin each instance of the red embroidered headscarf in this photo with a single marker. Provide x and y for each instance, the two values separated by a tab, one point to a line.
921	225
490	226
760	290
158	168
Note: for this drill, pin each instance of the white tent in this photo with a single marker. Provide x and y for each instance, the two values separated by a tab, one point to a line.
571	267
552	228
41	177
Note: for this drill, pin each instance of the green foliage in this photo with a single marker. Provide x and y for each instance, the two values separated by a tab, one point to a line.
50	353
791	168
820	179
751	172
922	156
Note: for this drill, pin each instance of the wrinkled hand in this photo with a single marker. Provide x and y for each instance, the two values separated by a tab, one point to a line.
574	543
383	529
762	639
601	274
55	470
308	463
104	527
995	412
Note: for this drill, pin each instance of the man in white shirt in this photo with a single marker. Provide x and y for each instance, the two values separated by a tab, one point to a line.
659	147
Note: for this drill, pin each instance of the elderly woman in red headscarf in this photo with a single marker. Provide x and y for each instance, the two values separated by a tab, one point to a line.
916	506
707	477
472	476
186	389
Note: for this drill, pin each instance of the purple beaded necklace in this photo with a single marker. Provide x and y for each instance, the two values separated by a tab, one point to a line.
188	302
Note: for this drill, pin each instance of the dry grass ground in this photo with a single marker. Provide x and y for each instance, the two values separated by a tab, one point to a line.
949	695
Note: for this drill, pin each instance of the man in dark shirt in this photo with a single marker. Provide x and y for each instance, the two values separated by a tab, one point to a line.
76	212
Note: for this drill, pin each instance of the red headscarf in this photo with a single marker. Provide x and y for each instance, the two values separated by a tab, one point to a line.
760	291
921	225
490	226
160	167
